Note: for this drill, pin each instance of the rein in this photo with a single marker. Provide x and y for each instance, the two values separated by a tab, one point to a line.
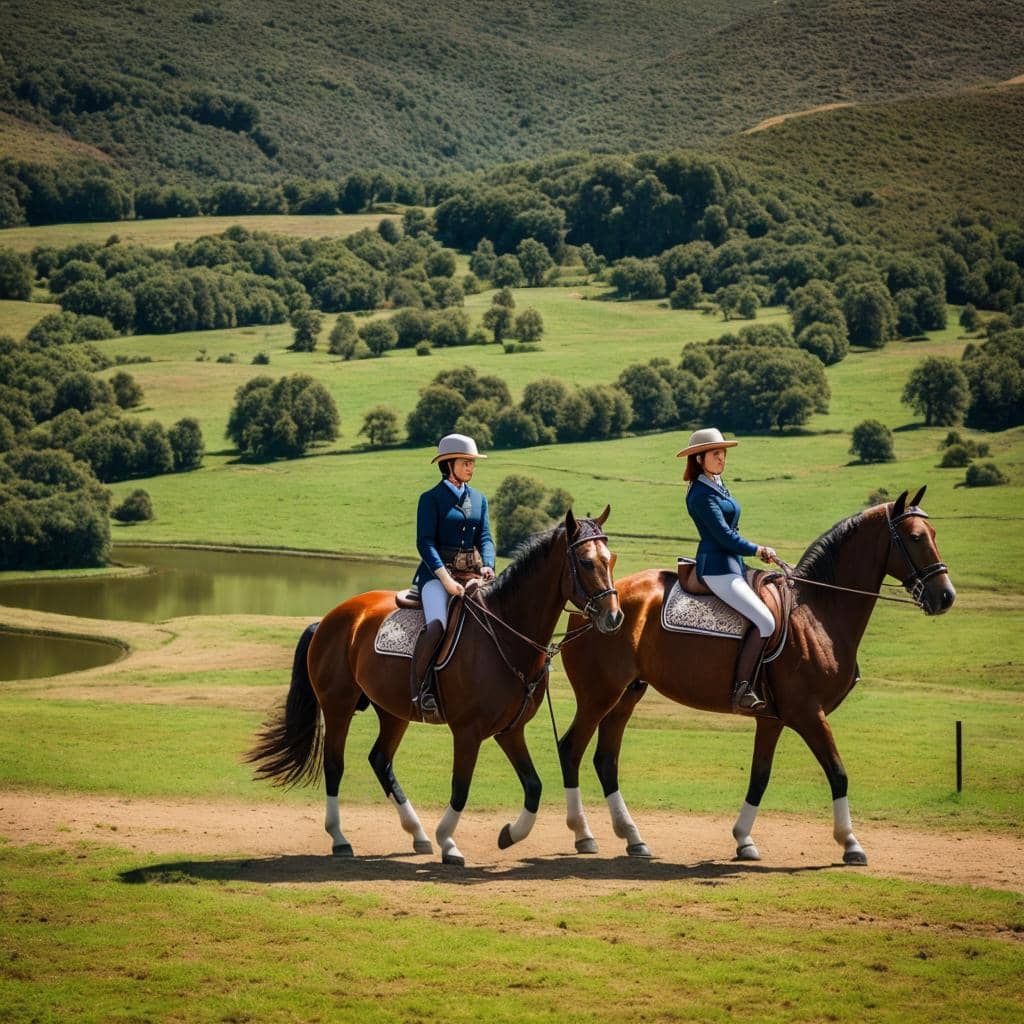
484	616
914	583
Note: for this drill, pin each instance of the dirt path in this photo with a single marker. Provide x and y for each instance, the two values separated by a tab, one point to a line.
275	844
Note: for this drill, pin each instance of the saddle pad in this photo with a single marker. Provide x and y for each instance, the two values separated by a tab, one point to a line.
698	613
397	633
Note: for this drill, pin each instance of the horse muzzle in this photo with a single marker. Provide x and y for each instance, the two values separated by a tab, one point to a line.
939	600
609	621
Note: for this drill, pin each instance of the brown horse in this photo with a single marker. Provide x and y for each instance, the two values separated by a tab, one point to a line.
815	671
492	685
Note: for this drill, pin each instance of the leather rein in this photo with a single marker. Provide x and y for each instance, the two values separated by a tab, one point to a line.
588	530
914	583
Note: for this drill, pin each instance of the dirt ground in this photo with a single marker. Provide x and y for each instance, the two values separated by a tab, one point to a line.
287	845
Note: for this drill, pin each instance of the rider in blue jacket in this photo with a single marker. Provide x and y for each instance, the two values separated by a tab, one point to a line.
453	538
720	553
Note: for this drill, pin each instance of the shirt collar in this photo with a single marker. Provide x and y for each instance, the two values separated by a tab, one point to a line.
459	492
715	483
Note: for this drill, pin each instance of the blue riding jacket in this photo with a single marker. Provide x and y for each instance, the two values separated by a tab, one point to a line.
717	515
442	522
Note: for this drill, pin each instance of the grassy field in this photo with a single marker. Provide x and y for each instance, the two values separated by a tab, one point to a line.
162	233
110	932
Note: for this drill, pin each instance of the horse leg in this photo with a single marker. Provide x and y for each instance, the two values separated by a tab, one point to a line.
817	734
514	745
336	727
392	730
606	763
467	747
766	738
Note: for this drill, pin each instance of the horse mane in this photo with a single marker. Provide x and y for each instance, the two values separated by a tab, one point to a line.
819	560
525	555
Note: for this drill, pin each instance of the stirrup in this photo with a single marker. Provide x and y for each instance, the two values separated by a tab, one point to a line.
428	703
745	698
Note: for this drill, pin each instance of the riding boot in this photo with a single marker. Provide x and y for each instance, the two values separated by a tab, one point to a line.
748	664
423	677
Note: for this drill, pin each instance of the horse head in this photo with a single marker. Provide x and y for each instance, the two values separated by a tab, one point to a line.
587	580
914	558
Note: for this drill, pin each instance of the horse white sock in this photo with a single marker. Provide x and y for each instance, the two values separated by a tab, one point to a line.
522	826
843	826
622	823
332	822
409	819
575	815
744	825
446	829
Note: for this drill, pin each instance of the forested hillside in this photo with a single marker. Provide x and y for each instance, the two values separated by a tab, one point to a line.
256	91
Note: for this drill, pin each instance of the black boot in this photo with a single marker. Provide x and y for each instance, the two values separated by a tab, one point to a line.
422	676
748	664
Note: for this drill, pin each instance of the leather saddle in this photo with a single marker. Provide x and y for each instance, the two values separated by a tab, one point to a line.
410	598
769	587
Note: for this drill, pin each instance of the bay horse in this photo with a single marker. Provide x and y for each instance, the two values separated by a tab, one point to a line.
492	685
815	671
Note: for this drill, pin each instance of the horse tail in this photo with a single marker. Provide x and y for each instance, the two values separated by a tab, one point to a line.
289	748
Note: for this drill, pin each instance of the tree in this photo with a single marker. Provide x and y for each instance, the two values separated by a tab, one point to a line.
938	390
307	324
514	428
871	441
15	275
543	398
498	320
379	336
651	395
127	392
747	304
633	278
535	261
281	419
687	294
343	337
760	388
529	326
435	414
870	314
483	259
521	506
82	391
816	303
508	273
441	263
827	341
380	427
984	474
186	441
136	508
969	319
995	372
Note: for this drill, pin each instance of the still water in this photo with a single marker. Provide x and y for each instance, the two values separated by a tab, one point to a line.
187	582
23	656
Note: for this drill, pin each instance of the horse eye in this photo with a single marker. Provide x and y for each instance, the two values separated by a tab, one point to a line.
586	563
917	537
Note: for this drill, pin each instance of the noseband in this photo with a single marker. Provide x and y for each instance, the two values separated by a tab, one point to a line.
915	582
587	530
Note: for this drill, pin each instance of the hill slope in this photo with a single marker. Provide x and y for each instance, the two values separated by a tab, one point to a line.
259	89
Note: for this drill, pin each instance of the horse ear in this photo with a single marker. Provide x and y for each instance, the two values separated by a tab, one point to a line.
603	516
900	504
915	501
570	524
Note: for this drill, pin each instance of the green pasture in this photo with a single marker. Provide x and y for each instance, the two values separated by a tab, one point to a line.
163	232
101	934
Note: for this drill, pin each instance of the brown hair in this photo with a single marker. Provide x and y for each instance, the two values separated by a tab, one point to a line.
693	468
445	465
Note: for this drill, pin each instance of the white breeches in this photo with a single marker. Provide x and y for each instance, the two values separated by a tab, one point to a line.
435	601
736	593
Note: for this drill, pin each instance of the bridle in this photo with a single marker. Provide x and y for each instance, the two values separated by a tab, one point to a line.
588	530
914	583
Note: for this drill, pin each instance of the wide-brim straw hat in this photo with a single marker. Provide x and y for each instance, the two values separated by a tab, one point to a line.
704	441
456	446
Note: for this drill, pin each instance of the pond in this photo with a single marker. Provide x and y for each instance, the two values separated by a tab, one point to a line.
29	656
192	582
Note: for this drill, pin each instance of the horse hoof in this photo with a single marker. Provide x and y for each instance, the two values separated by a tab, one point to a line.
342	850
588	845
422	846
748	852
638	850
855	858
455	859
505	839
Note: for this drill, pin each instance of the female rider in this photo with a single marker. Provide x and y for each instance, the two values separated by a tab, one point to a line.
453	538
720	555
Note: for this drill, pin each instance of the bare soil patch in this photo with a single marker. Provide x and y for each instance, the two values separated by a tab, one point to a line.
276	844
771	122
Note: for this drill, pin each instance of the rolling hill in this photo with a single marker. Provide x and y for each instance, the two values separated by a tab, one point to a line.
262	90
